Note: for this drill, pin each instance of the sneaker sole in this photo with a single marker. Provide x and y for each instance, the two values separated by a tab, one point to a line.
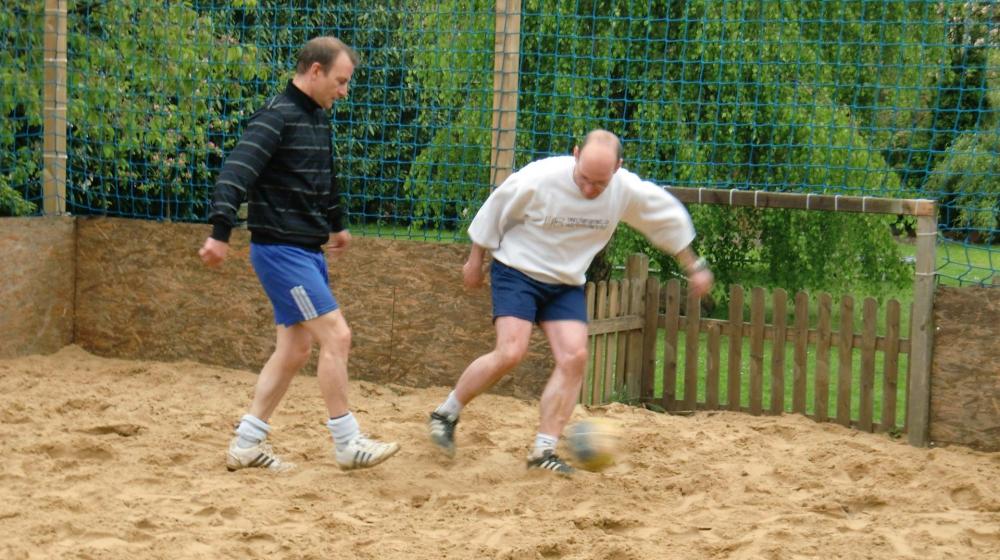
448	450
239	466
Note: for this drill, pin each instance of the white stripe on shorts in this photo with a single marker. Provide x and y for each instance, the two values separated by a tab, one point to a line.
306	306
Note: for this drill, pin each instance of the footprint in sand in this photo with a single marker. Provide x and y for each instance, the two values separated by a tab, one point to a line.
966	496
123	430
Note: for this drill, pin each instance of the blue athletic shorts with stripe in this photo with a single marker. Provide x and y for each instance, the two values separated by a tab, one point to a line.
515	294
295	281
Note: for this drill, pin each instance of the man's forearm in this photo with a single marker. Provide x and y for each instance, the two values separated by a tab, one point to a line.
477	254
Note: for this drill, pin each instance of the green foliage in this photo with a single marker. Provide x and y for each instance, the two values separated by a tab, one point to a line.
746	111
791	249
969	174
805	250
183	105
956	93
967	170
376	135
891	98
11	201
20	107
452	71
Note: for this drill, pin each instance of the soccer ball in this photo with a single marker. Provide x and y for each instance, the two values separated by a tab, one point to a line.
593	443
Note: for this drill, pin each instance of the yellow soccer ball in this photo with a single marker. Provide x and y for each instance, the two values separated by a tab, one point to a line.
593	443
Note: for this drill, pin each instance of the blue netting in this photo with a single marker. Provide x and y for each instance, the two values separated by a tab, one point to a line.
890	98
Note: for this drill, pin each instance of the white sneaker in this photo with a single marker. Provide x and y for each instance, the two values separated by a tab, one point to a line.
260	456
362	452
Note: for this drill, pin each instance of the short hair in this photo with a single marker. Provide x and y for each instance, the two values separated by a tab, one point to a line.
601	136
323	50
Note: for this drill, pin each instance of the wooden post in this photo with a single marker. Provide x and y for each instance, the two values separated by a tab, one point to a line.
54	98
650	330
670	329
712	367
845	364
506	67
891	373
799	376
918	400
779	299
600	343
757	351
621	351
734	383
867	382
691	344
637	271
822	379
611	343
588	294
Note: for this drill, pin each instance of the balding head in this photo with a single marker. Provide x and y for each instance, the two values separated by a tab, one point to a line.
603	139
597	160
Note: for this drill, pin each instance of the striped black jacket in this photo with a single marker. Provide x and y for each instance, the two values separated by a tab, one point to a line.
283	167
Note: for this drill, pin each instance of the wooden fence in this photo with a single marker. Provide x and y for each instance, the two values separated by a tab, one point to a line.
801	362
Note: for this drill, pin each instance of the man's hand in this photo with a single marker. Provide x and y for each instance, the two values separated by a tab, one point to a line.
339	242
213	252
700	282
472	273
472	270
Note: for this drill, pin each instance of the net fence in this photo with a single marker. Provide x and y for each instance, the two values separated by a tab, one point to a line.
888	98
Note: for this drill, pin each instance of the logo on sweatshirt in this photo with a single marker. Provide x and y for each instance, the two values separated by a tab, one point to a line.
571	222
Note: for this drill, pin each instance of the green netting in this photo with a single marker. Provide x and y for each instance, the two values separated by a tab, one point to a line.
890	98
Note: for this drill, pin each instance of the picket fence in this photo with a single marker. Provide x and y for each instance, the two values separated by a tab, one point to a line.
812	365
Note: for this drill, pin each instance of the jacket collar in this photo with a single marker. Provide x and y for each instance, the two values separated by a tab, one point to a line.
305	102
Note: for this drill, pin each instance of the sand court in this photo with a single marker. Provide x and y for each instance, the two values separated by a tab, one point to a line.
106	458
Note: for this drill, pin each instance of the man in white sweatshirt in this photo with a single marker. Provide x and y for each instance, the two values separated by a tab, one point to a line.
544	225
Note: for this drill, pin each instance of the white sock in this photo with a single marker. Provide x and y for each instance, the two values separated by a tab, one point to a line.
251	431
451	407
344	429
544	442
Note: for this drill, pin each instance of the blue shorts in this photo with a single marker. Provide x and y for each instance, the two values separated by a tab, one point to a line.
515	294
295	281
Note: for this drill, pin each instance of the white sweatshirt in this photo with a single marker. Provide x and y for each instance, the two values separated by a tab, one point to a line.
539	222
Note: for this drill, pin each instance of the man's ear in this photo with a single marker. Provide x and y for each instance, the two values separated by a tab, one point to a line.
315	70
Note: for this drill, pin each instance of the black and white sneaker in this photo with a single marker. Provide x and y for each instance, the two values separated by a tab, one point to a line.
363	452
549	461
442	430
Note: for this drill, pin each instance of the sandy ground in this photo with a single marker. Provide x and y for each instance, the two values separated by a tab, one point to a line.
124	459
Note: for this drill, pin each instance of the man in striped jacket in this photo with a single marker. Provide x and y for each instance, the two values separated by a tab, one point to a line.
283	167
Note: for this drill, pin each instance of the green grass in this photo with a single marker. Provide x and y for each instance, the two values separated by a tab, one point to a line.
413	233
961	264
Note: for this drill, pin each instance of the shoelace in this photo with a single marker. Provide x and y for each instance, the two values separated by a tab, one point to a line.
364	443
